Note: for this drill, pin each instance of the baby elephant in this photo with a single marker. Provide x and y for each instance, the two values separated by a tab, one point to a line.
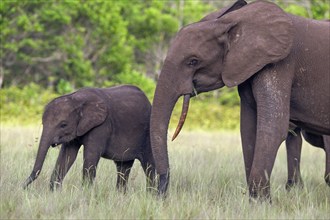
112	123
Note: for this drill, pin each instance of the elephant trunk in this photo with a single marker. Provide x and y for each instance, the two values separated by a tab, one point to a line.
169	89
164	101
41	155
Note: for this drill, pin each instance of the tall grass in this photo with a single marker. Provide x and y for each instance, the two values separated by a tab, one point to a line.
207	182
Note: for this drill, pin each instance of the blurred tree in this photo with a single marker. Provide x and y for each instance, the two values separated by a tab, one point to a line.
87	43
69	44
320	9
62	45
81	42
316	9
153	24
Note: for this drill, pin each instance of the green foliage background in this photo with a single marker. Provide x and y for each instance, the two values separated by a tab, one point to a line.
49	48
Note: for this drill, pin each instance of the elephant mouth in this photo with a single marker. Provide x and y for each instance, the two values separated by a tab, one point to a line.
55	145
57	141
63	140
201	89
186	99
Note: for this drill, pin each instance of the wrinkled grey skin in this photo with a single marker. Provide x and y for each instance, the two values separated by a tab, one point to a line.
278	61
112	123
293	146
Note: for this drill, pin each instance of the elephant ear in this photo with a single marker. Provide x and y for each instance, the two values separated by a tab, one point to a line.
258	34
92	109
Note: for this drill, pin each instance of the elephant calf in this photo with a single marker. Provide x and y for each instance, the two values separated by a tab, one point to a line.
112	123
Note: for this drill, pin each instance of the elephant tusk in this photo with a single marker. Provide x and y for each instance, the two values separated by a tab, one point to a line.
195	91
184	112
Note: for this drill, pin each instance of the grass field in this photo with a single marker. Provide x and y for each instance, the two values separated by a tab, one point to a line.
207	182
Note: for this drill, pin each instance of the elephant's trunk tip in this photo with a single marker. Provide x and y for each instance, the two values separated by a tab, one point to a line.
30	179
184	112
27	183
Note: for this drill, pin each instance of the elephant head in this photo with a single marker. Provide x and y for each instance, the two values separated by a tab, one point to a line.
65	119
223	49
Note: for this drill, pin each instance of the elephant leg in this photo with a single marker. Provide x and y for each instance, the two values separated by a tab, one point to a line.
91	159
293	148
327	158
247	126
148	165
123	171
272	98
66	158
268	140
150	172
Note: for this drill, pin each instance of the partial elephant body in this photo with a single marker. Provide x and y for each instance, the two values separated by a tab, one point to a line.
112	123
294	144
310	94
127	125
280	63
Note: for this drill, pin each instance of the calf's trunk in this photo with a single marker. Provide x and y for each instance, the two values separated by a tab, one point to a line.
41	155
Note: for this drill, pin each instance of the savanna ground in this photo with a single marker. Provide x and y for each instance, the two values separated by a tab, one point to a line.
207	182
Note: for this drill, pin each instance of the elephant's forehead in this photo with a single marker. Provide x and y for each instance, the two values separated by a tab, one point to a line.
189	33
197	30
58	110
191	38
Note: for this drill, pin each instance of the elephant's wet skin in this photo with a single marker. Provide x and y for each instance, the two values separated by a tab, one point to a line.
278	61
112	123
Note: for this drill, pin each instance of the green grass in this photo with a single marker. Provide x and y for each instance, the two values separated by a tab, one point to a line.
207	182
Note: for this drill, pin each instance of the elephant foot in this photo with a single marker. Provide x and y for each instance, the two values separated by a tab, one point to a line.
163	184
260	194
294	183
54	185
151	185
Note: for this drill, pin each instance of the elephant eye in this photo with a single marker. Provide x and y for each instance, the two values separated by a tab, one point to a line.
63	125
193	62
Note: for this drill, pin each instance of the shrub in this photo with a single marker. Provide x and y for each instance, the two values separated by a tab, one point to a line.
24	105
135	78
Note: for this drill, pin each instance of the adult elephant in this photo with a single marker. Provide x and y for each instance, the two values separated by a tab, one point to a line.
280	63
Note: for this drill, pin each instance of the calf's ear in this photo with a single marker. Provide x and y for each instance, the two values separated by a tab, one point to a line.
93	112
